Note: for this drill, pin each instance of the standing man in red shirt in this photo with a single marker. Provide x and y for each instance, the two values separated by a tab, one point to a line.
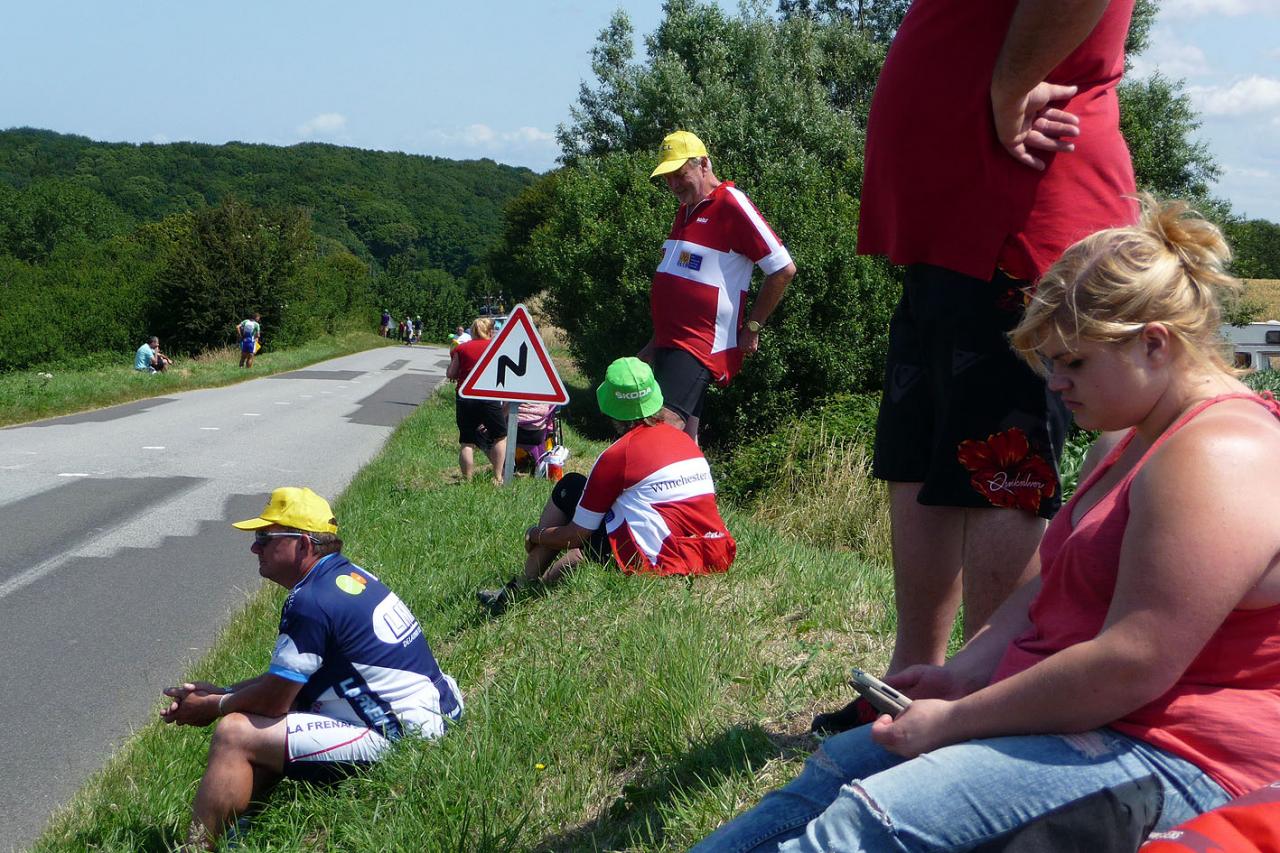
701	330
1031	161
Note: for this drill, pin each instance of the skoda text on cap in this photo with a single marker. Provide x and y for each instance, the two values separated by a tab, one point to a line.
677	148
629	391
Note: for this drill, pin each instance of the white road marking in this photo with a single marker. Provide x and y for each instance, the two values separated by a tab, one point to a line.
34	573
70	474
283	403
215	429
253	414
153	447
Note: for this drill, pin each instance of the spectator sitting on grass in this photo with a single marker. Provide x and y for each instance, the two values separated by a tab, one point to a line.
149	358
649	501
1146	654
351	673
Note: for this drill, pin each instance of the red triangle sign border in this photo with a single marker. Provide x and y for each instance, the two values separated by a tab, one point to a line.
519	317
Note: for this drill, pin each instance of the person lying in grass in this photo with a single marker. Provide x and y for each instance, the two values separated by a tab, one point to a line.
1147	651
649	501
351	673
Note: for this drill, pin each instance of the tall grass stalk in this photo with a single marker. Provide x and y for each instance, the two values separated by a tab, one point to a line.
829	497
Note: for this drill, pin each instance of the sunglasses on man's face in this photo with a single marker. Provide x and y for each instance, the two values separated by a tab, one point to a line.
261	539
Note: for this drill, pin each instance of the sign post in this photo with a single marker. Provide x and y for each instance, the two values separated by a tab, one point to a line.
515	368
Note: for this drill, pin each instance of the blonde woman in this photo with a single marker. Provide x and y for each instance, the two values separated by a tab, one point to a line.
1147	652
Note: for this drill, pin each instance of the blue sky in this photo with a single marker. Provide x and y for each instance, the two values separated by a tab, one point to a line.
491	78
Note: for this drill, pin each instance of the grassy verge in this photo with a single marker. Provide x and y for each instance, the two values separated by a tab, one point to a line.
38	393
614	713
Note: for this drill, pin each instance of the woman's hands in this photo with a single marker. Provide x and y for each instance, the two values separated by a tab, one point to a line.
923	727
928	723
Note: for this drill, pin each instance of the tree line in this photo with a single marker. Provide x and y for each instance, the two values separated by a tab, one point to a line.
781	96
104	243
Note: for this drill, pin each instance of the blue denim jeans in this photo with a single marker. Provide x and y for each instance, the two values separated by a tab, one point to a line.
854	796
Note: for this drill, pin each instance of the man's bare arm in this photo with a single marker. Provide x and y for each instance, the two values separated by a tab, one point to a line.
1041	35
771	292
266	695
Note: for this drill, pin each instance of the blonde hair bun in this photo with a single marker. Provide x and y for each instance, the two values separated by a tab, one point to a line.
1168	268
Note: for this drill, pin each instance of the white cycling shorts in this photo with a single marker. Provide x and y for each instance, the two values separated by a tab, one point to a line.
319	747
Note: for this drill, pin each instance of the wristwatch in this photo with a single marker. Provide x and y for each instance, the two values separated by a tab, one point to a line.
754	326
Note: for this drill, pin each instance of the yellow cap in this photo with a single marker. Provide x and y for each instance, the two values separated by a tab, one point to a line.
290	506
676	149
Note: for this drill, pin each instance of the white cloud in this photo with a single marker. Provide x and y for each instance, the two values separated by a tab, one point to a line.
325	124
477	134
1171	56
160	139
1246	97
485	137
532	134
1200	8
1246	172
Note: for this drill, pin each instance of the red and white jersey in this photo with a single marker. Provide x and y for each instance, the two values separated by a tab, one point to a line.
653	491
696	298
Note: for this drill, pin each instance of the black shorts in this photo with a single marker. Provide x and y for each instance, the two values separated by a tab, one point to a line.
566	495
961	413
683	380
480	422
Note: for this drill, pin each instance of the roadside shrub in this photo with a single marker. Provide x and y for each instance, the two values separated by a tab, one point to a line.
754	467
84	299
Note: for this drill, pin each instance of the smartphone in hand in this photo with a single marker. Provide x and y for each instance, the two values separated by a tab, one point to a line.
881	696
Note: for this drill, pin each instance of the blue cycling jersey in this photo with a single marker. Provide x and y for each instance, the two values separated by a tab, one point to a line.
359	653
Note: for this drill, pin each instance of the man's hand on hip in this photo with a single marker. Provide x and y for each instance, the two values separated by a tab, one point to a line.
1027	123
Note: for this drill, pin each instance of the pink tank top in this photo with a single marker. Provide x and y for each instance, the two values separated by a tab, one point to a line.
1223	714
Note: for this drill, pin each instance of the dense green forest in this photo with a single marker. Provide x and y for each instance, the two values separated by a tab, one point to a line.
104	243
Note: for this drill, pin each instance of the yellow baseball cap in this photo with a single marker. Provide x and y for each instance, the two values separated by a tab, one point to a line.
676	148
299	508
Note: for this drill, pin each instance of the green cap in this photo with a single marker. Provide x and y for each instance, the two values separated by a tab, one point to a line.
629	392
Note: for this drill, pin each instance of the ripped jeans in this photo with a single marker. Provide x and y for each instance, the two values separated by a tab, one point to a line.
854	796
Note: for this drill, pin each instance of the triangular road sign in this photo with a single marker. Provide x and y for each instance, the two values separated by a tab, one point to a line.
515	366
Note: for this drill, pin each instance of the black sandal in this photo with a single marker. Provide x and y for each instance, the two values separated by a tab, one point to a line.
859	712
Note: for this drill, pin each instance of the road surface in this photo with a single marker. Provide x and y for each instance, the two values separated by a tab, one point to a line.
118	566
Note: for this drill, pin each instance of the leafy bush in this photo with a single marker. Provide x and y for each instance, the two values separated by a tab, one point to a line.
84	299
227	263
1264	380
753	468
778	104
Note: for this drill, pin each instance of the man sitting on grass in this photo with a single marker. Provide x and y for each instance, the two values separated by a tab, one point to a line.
350	674
149	359
649	501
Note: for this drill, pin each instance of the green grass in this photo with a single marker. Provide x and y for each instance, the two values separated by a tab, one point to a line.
92	383
656	707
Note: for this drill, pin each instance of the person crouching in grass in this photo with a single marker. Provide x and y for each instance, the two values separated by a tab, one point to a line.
649	502
351	674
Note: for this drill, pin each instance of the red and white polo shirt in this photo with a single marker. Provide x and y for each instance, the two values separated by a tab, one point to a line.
696	297
653	491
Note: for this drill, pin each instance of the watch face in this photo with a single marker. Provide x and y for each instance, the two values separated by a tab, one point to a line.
753	326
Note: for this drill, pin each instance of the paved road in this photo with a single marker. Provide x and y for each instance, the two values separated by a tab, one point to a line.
117	566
